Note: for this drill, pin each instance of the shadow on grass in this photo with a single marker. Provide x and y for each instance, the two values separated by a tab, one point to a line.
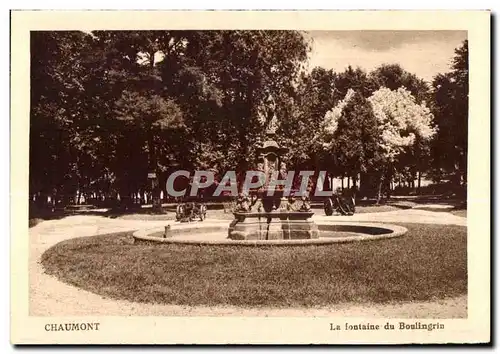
40	215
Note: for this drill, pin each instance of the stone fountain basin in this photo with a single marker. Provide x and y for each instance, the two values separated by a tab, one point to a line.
215	233
276	214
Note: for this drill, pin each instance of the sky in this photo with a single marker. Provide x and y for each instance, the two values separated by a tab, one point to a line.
424	53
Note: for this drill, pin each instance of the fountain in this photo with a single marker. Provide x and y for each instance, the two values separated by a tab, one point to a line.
270	219
264	215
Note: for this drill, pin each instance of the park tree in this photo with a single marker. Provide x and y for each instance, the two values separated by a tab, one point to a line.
245	68
318	92
107	104
353	78
451	107
158	78
77	141
348	137
370	136
413	162
139	111
315	94
147	117
110	106
404	124
355	138
393	76
329	125
64	146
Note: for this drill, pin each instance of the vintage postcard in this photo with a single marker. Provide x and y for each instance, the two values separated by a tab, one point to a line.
250	177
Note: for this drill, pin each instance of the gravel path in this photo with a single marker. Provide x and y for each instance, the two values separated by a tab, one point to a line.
50	297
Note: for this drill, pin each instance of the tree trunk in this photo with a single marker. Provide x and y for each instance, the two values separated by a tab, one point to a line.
126	200
388	186
155	194
419	174
155	190
379	190
365	182
462	169
388	181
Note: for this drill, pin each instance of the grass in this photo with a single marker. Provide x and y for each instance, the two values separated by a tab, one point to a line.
462	212
459	212
430	262
34	221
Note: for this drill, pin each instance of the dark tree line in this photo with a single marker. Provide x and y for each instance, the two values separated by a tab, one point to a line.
450	102
109	107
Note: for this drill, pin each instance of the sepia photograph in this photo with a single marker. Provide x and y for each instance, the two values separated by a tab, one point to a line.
253	173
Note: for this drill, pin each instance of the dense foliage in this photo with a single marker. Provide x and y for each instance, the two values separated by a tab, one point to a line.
450	98
110	107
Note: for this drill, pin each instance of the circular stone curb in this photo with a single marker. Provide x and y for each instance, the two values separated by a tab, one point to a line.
143	236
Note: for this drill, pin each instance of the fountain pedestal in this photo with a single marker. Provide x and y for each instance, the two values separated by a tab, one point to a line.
275	225
274	215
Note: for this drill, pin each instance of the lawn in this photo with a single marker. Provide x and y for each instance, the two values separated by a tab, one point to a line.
459	212
430	262
462	212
